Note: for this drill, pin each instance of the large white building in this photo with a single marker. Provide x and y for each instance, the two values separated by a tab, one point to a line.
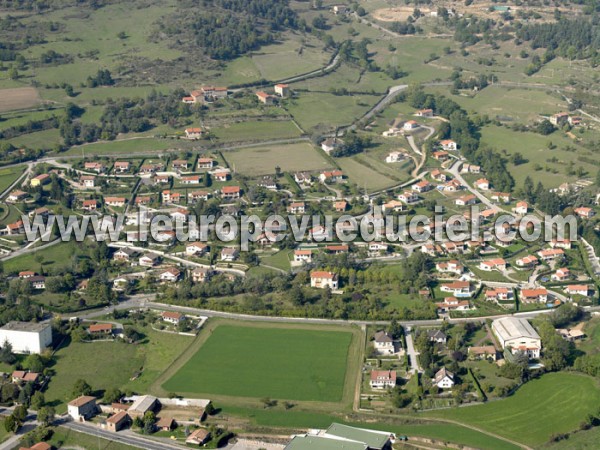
27	337
518	335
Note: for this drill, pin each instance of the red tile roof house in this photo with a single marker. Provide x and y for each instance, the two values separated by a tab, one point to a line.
497	294
117	421
191	179
410	125
527	261
585	213
90	205
482	184
493	264
322	279
265	98
101	328
115	201
458	288
465	200
383	379
230	192
332	176
15	228
142	200
171	197
179	164
452	304
229	254
205	163
198	437
296	208
122	166
424	113
340	206
578	289
196	248
539	295
303	255
88	180
38	446
21	376
422	186
448	144
221	176
550	254
16	196
194	196
193	133
170	275
172	317
201	274
561	274
283	90
95	166
440	156
82	408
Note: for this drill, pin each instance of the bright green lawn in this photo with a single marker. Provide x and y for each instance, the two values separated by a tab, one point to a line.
249	131
280	363
555	403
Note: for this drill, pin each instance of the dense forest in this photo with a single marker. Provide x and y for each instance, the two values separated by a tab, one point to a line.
225	29
573	39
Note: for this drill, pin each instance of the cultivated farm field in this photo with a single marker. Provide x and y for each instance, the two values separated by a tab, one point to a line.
18	98
305	364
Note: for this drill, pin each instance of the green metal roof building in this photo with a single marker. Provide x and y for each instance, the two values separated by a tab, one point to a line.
342	437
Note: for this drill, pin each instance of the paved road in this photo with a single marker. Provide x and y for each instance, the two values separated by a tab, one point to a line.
126	437
456	174
592	257
412	352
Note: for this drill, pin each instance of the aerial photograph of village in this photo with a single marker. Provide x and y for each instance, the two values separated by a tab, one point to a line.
299	224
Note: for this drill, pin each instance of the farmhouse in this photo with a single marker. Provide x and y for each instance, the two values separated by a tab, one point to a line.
27	337
559	119
443	379
266	99
383	379
117	421
330	144
193	133
141	405
283	90
321	279
516	335
198	437
82	408
165	423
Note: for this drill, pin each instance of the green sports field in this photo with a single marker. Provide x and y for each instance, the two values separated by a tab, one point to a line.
555	403
282	363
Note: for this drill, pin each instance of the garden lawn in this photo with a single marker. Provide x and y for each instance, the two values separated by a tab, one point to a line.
554	403
250	361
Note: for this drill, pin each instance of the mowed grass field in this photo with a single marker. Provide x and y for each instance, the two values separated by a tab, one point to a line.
18	98
555	403
249	131
254	161
534	147
305	364
8	175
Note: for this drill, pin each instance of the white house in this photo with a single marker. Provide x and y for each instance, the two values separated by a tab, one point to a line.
521	208
196	248
229	254
394	157
578	289
170	275
383	343
448	145
382	379
330	144
82	408
303	256
27	337
173	317
443	379
322	279
410	125
517	334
